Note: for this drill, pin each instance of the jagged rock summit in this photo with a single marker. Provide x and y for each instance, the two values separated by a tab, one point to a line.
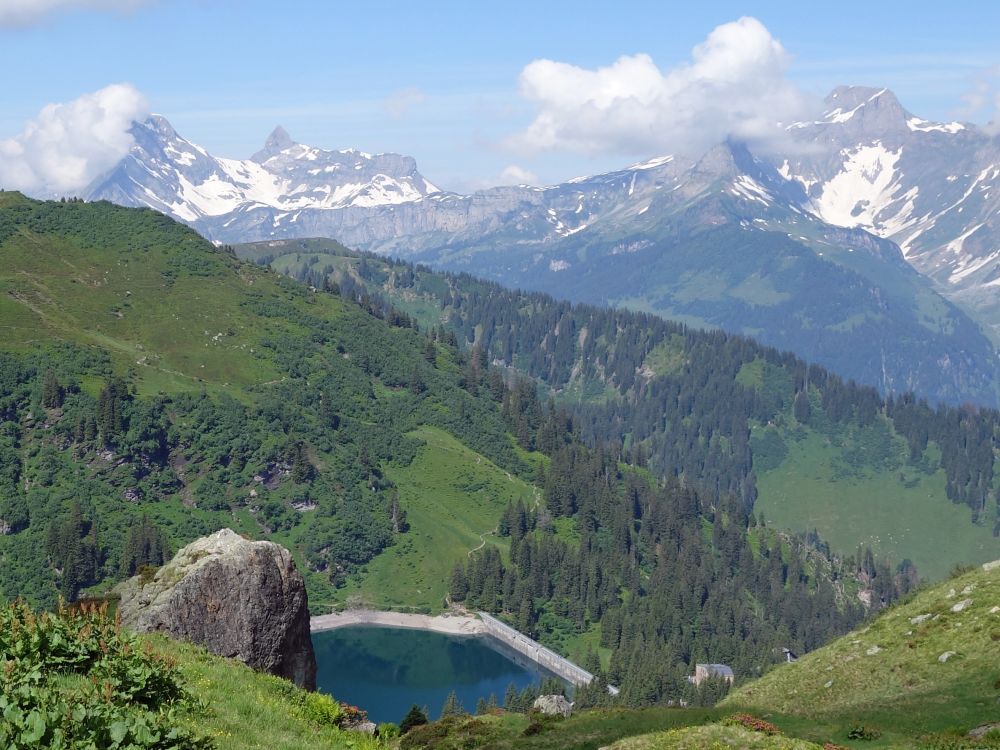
238	598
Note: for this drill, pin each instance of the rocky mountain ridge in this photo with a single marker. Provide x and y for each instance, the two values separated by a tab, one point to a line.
933	188
173	175
772	248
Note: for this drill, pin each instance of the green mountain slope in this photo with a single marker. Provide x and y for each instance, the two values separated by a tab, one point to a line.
453	499
150	376
134	286
922	667
895	507
798	444
380	454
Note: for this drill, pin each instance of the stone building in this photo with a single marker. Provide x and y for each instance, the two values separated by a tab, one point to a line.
703	671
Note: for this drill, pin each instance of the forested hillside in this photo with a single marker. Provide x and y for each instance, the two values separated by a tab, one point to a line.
915	481
155	388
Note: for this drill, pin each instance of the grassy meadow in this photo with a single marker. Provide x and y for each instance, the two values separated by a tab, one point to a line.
453	499
900	513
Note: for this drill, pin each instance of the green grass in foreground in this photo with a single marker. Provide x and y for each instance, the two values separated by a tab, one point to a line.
890	675
875	509
453	498
247	710
75	680
712	736
587	730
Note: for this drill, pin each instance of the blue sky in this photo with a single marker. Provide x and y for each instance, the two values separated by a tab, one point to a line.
440	81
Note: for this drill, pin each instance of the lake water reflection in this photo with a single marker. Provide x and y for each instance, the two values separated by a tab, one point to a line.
386	670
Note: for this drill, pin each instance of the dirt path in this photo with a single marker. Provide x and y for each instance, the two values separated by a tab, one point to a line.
482	540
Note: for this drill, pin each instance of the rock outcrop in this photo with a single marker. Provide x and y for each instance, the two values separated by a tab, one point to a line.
237	598
553	705
981	731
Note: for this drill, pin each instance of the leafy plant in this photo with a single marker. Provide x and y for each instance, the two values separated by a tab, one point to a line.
322	709
76	680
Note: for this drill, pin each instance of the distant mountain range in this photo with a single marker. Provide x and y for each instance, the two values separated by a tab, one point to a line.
799	251
230	198
932	188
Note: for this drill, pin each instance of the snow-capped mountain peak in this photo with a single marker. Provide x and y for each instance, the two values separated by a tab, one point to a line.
279	140
173	175
932	187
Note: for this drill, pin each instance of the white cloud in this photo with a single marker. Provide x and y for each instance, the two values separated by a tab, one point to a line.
399	103
24	12
735	85
982	102
515	175
68	145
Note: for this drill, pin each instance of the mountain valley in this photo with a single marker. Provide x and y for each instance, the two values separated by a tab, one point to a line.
380	452
758	245
655	388
522	377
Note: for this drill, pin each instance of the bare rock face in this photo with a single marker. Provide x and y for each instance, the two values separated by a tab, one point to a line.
237	598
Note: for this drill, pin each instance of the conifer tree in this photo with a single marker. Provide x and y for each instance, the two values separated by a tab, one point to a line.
52	391
415	717
452	706
458	589
510	697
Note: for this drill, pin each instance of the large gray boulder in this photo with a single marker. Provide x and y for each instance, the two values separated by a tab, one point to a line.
237	598
553	705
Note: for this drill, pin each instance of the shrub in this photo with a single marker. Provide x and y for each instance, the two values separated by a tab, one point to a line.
415	717
352	715
388	731
146	573
861	732
126	696
321	709
752	723
426	735
540	722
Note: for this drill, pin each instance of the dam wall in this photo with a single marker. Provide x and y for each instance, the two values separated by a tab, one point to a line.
545	657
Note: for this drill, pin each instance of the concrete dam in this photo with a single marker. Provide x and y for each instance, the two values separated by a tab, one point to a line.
546	657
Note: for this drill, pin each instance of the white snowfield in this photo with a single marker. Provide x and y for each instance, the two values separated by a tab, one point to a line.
860	192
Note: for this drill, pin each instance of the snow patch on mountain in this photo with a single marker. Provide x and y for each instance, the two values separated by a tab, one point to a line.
925	126
839	115
864	187
659	161
747	187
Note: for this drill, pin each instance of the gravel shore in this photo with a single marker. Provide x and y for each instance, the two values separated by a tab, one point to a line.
452	624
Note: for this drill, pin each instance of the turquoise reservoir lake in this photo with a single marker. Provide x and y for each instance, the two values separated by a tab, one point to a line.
387	670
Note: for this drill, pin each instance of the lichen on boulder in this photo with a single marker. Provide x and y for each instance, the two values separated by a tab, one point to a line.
238	598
